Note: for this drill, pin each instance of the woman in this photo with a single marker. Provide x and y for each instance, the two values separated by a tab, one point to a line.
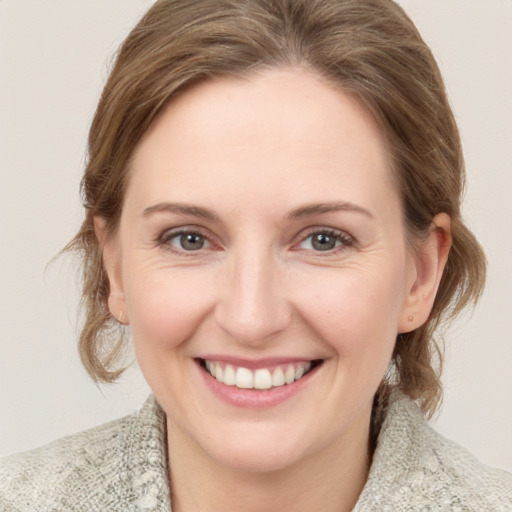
273	208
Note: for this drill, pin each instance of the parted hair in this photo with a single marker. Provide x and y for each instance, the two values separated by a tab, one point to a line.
369	48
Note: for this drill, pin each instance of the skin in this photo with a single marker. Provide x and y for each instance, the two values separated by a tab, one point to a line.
252	151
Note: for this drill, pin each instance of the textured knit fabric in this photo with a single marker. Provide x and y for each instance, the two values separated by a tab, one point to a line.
122	466
416	469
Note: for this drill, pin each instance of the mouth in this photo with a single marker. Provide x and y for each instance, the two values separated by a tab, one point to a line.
261	378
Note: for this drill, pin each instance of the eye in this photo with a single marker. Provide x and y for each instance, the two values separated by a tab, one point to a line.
184	240
323	240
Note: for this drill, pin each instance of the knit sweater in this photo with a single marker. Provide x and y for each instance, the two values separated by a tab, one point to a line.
122	466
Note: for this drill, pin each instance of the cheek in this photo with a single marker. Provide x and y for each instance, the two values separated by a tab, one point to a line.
355	311
165	308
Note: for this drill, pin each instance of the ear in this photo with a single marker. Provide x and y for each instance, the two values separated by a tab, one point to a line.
428	265
111	254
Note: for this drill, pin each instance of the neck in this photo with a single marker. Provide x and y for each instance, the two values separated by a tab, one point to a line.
330	480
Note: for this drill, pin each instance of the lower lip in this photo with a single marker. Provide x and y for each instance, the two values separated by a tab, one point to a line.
255	398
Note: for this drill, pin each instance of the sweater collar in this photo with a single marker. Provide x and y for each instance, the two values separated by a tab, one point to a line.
145	476
145	473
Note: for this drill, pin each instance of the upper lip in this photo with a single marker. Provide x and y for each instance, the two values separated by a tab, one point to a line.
254	364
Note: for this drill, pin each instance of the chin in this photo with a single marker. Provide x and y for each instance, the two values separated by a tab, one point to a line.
257	453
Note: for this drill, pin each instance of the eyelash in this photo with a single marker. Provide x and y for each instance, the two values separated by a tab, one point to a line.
165	238
343	238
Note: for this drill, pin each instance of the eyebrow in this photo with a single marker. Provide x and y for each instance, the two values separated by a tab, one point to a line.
308	210
182	208
313	209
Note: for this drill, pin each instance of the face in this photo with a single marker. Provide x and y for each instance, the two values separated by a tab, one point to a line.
262	241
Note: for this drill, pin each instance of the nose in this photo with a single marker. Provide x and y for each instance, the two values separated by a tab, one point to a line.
253	307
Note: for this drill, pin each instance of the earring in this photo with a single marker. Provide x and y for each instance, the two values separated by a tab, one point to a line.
120	318
410	318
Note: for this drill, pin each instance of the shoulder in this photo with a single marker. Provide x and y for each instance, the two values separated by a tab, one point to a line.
48	474
416	468
90	470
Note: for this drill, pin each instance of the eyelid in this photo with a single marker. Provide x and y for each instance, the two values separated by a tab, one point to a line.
162	240
345	238
165	235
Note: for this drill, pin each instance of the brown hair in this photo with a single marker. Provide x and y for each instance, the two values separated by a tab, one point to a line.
368	47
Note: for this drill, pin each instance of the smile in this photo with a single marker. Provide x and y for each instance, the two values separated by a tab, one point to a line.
261	378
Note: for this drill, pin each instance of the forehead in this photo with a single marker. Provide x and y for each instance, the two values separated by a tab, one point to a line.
276	134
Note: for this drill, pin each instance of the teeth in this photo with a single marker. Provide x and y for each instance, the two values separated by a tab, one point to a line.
262	378
278	377
229	376
244	378
301	370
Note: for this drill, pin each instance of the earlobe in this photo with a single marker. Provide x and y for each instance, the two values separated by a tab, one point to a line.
429	263
112	263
